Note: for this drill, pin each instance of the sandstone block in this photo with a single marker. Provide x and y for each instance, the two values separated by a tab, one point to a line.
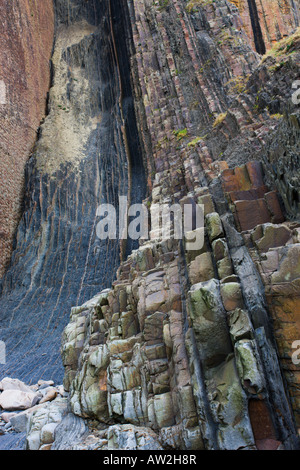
201	268
232	296
214	226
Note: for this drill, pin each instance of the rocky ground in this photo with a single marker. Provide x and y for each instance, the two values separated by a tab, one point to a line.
21	404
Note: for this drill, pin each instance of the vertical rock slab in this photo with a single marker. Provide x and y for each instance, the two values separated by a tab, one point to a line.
26	43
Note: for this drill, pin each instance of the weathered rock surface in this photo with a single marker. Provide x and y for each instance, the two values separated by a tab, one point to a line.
43	422
80	160
17	400
25	49
268	22
181	349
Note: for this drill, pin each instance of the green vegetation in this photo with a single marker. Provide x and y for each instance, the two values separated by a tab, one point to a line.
195	141
285	46
193	5
163	4
276	116
237	84
180	134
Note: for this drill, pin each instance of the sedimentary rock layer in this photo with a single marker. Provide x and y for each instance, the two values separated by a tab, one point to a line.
183	349
81	160
184	344
268	22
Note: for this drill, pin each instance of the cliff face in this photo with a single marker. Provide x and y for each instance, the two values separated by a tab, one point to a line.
183	349
25	50
80	160
268	22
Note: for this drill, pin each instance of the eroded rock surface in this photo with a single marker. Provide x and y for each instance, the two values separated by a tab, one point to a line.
26	43
182	349
80	160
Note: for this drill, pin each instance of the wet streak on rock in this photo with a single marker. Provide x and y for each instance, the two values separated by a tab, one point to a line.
123	44
258	37
58	261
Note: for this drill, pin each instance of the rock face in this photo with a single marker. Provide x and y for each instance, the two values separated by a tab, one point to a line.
267	22
80	160
25	50
182	348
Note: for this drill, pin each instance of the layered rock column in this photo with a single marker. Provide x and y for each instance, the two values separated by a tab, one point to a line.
183	343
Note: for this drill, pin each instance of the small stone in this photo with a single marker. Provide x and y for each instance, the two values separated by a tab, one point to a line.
7	416
61	390
48	383
47	433
46	447
49	396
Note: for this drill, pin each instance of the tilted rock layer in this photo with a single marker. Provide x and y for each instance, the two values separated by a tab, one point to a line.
197	345
183	349
268	22
80	160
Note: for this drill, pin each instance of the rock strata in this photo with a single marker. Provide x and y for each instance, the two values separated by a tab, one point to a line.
177	348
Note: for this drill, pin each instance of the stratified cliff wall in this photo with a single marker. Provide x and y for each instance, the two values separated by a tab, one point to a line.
193	350
81	159
176	349
267	22
26	43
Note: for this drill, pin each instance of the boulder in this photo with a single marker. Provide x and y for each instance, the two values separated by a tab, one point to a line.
14	384
11	400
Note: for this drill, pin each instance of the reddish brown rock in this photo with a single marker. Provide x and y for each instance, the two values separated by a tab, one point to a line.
262	426
253	203
25	49
252	213
267	22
